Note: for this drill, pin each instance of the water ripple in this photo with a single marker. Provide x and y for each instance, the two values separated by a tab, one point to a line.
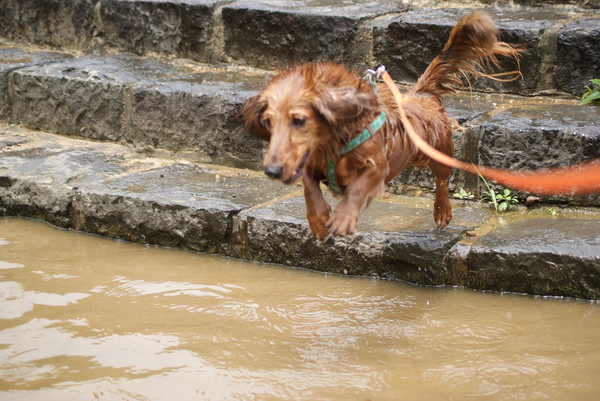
15	301
167	288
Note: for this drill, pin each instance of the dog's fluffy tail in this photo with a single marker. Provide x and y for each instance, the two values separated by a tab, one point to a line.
473	45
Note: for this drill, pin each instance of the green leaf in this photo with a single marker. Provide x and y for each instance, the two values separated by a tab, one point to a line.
591	96
462	194
493	195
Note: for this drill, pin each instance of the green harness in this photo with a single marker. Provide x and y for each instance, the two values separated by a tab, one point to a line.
353	144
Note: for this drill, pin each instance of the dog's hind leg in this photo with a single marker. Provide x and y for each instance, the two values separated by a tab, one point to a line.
442	210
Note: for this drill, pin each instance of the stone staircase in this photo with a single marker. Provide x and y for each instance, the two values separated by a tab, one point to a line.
171	76
164	79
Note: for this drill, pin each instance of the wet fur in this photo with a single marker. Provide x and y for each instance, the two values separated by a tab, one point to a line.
310	111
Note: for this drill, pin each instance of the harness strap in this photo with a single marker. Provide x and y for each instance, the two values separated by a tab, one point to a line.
353	144
331	182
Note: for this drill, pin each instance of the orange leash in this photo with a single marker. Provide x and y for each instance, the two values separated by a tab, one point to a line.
574	180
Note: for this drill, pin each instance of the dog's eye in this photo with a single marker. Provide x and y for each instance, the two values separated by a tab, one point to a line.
298	121
266	122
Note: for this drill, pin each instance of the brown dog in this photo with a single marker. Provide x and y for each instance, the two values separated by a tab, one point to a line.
325	124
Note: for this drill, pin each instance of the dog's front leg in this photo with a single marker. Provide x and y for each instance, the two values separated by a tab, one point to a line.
363	189
317	209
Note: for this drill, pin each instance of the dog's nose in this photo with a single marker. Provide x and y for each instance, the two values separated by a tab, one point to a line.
274	171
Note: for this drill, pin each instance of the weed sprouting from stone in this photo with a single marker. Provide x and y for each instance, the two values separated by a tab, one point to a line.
501	201
464	195
592	96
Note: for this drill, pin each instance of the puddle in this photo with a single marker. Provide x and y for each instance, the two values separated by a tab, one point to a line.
82	317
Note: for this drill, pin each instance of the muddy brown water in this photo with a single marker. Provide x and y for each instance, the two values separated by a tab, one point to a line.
86	318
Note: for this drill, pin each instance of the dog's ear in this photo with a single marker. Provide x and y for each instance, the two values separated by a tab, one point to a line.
252	113
337	105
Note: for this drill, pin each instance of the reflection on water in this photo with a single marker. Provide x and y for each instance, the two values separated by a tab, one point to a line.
88	318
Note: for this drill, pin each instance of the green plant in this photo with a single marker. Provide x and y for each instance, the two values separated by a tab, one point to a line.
500	201
552	212
592	96
505	200
464	195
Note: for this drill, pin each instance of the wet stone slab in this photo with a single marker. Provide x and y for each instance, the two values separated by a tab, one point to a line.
61	24
577	55
178	205
394	241
12	59
538	256
181	28
10	141
407	43
544	137
39	176
83	97
534	31
467	107
195	186
58	165
193	116
107	190
150	103
275	34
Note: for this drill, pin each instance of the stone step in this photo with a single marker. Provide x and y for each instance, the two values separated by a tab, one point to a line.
109	189
184	108
518	134
560	45
178	108
561	40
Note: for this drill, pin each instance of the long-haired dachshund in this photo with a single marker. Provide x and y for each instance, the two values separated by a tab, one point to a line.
326	124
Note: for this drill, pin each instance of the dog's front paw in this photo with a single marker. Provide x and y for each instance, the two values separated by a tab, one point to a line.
317	222
342	224
317	228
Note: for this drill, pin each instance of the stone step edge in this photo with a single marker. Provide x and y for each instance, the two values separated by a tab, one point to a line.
261	232
387	258
77	210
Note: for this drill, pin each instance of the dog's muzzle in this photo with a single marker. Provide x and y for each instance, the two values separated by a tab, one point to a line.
298	171
274	171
